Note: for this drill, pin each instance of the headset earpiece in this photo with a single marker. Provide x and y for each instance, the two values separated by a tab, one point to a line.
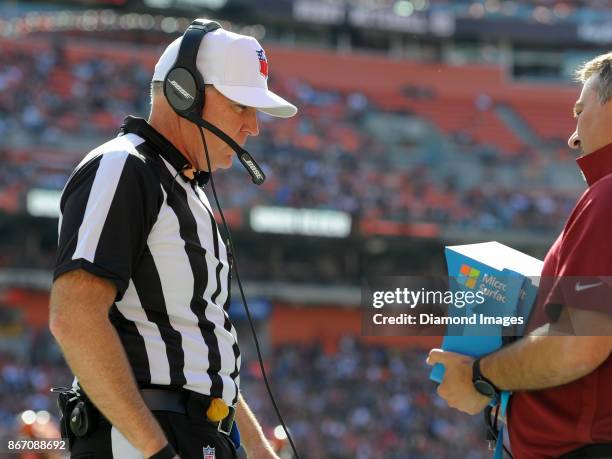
184	85
182	91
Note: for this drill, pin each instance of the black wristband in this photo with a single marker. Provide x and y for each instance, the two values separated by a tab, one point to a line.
481	383
167	452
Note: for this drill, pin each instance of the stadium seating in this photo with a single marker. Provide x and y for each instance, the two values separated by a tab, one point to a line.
78	93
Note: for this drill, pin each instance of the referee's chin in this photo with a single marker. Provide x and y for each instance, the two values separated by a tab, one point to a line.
219	162
225	162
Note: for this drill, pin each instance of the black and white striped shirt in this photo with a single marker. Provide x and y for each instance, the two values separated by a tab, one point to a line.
127	215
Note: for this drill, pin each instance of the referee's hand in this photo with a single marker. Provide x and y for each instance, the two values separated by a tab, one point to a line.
167	452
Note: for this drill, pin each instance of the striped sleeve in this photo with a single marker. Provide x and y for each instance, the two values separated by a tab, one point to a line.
107	210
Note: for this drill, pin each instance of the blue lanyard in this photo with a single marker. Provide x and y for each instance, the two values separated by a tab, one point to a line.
499	446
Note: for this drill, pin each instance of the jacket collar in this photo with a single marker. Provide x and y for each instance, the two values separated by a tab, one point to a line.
596	165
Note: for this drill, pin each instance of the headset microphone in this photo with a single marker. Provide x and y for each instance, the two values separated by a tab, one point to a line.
247	161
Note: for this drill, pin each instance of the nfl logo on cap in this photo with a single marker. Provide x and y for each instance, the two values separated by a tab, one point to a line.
209	453
263	63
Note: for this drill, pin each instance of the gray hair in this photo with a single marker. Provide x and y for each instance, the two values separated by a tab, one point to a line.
157	89
602	67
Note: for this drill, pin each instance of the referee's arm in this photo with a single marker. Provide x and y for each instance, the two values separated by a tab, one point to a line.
79	307
107	209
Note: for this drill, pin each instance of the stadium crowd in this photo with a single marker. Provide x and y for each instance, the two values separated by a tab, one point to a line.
545	11
360	401
30	365
364	402
329	157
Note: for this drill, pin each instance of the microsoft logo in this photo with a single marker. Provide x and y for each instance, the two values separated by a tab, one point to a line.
468	276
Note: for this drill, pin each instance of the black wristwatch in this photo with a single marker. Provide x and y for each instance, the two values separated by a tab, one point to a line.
482	384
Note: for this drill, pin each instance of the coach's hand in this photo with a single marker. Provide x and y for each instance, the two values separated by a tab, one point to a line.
457	387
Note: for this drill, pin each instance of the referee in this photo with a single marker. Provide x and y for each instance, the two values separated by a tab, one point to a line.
141	283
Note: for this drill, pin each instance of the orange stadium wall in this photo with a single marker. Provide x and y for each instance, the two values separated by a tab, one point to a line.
34	305
328	324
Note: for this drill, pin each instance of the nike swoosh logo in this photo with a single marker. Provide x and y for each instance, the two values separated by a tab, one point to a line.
580	288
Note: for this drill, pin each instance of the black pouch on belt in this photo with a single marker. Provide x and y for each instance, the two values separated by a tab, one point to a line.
79	417
66	400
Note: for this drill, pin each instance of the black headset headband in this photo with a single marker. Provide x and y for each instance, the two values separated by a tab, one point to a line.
190	44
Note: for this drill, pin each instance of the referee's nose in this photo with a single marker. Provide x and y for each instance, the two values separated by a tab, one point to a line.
574	141
250	122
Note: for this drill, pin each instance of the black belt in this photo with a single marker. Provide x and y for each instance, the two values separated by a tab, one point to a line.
190	403
594	451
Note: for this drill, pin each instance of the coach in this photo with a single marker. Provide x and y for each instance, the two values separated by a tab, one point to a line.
142	279
562	402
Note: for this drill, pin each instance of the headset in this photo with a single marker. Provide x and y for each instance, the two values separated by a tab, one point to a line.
184	90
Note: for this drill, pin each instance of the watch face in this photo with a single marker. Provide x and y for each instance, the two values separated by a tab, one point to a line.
484	388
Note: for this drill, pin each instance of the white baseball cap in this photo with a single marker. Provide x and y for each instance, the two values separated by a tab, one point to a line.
236	65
